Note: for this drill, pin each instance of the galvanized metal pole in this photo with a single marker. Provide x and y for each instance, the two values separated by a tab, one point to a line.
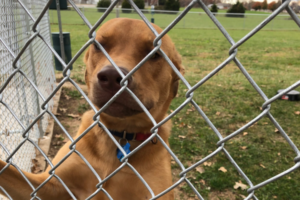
117	10
61	36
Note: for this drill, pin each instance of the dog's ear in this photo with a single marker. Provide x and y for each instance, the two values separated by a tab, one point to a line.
176	59
85	60
86	77
86	56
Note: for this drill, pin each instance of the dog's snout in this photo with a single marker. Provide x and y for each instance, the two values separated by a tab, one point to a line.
109	78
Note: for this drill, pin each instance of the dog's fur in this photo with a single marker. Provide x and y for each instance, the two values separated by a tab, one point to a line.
127	41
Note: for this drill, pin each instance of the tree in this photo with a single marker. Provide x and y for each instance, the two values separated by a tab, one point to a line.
140	4
161	2
264	5
125	6
257	6
214	8
172	5
236	8
102	4
272	6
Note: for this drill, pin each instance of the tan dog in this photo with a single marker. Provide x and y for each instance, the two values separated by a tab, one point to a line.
127	41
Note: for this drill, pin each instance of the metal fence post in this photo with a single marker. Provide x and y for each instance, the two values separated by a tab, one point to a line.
61	37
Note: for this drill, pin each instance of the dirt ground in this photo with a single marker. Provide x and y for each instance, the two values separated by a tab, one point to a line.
69	113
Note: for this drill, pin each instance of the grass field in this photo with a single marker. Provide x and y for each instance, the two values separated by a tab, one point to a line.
191	20
228	99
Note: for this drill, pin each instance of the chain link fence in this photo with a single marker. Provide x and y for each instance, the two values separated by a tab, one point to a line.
19	99
24	127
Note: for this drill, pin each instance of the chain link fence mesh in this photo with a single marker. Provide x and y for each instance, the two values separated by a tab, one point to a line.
25	98
18	97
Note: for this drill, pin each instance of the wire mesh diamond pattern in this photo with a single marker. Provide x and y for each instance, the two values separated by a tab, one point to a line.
24	78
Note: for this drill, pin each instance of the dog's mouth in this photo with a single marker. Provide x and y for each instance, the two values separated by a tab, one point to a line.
123	106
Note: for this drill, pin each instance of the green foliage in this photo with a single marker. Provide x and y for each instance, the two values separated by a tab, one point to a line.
236	8
140	4
214	8
161	2
126	5
73	93
173	5
265	5
83	107
103	4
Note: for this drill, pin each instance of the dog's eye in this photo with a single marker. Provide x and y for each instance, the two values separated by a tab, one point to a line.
96	46
155	56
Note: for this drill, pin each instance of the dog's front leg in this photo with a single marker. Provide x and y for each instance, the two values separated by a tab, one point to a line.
18	189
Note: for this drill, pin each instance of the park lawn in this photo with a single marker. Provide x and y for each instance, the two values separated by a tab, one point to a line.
191	20
229	100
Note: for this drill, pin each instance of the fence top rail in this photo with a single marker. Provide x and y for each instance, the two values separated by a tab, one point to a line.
193	12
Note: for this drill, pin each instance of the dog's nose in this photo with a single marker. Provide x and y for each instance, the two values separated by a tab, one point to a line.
109	78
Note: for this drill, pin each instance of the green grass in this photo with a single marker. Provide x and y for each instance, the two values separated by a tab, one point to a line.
191	20
73	93
272	59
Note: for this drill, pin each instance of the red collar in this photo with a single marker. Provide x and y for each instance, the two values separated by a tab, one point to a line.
131	136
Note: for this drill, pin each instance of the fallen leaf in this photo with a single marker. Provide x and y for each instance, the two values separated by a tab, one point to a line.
244	197
81	97
202	181
181	124
218	113
57	136
297	112
245	133
289	177
240	185
67	97
223	169
189	126
278	154
63	110
182	136
276	130
57	114
275	197
73	115
187	113
207	164
260	108
265	123
173	162
262	166
243	147
171	111
45	137
200	169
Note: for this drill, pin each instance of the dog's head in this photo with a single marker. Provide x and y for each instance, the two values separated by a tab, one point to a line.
128	41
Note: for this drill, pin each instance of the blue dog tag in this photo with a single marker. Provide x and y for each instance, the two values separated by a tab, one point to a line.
126	147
